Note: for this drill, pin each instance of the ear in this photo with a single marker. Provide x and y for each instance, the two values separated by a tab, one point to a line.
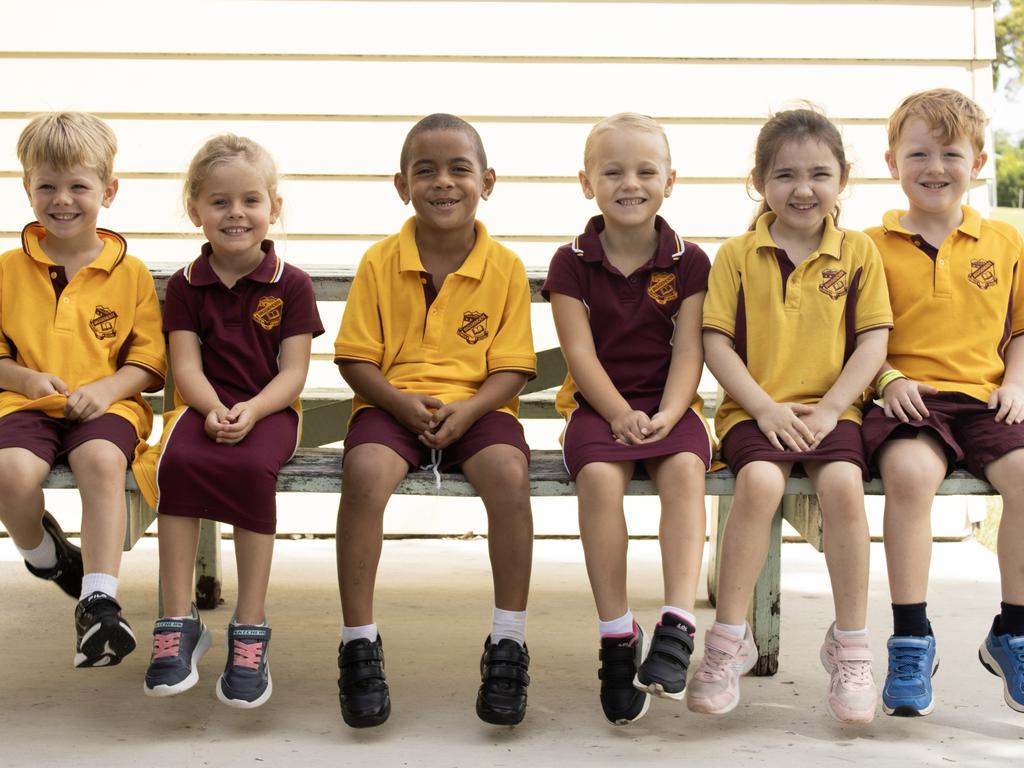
979	162
110	192
403	188
588	191
193	215
757	183
275	209
670	182
27	184
490	177
890	161
844	178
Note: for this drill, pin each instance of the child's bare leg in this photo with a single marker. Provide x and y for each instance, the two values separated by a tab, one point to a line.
840	490
680	482
371	474
501	476
21	504
1007	475
600	487
759	488
179	539
99	467
254	553
912	470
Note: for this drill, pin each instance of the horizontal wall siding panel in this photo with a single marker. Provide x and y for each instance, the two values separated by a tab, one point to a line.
542	150
269	87
704	30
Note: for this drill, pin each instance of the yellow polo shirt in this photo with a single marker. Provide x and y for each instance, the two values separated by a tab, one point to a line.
478	324
794	328
954	314
107	316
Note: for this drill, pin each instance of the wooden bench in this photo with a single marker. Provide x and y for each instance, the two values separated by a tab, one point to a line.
315	469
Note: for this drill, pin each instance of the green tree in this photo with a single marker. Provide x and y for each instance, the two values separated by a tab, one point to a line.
1009	171
1009	62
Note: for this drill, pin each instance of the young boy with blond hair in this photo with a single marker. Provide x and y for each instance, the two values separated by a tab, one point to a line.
80	340
952	385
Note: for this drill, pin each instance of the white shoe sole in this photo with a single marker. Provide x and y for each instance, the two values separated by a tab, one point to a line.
993	666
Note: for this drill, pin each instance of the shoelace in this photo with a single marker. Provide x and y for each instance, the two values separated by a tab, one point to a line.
435	466
716	663
906	662
166	645
247	654
854	674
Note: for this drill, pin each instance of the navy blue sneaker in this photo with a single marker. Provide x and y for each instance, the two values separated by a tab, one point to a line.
620	658
67	573
1003	655
104	637
178	645
908	684
663	672
246	682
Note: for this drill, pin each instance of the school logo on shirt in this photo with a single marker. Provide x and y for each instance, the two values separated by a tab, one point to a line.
268	312
833	283
104	323
662	287
474	326
983	274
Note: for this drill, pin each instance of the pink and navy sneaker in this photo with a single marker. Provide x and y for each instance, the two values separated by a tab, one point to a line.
246	680
621	656
663	672
178	645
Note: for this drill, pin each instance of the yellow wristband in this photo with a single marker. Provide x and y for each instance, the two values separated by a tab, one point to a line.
886	379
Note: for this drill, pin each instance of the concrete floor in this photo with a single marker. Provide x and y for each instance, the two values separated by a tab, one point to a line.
433	609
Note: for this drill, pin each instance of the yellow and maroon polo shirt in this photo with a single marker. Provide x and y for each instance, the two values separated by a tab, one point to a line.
794	327
477	325
241	328
81	330
954	310
632	318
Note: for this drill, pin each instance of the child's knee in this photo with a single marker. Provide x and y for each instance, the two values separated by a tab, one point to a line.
99	459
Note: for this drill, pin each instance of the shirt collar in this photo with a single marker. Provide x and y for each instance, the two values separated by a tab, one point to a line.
409	255
199	272
970	226
670	246
113	252
831	238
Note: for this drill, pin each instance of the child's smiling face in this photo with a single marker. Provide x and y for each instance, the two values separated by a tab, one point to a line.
68	202
444	180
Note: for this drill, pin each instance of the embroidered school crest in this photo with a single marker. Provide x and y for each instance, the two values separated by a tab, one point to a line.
474	326
833	283
662	287
983	274
268	312
104	323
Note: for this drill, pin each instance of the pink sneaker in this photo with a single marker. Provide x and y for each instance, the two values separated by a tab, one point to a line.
852	695
715	687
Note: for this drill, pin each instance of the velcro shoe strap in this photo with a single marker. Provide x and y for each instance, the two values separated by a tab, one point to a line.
853	654
673	642
358	653
507	672
358	673
512	653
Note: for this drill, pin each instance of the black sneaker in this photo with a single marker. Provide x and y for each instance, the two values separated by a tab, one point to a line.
104	638
663	672
620	658
178	645
68	570
246	682
504	678
362	688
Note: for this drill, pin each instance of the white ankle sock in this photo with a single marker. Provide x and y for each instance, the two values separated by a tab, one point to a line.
739	631
363	632
842	634
508	624
620	626
42	556
99	582
681	613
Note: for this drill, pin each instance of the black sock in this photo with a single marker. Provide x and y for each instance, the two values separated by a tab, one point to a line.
910	619
1011	619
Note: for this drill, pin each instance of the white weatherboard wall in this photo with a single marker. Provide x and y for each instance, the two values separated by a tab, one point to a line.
331	87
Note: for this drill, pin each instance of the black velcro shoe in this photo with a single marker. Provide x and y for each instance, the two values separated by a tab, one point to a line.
504	677
620	658
362	688
67	573
663	672
104	637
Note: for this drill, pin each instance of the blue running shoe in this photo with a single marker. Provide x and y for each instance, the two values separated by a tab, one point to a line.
908	684
1003	655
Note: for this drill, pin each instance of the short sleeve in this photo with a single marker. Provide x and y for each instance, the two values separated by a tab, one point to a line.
361	335
1017	294
873	309
565	275
6	350
724	283
512	347
300	312
146	348
694	267
179	313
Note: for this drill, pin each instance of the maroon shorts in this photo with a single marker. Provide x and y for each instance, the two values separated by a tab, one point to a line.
234	484
52	439
964	426
745	443
375	425
588	438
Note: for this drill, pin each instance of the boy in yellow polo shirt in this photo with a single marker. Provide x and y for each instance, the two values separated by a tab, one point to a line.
80	340
952	384
436	344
